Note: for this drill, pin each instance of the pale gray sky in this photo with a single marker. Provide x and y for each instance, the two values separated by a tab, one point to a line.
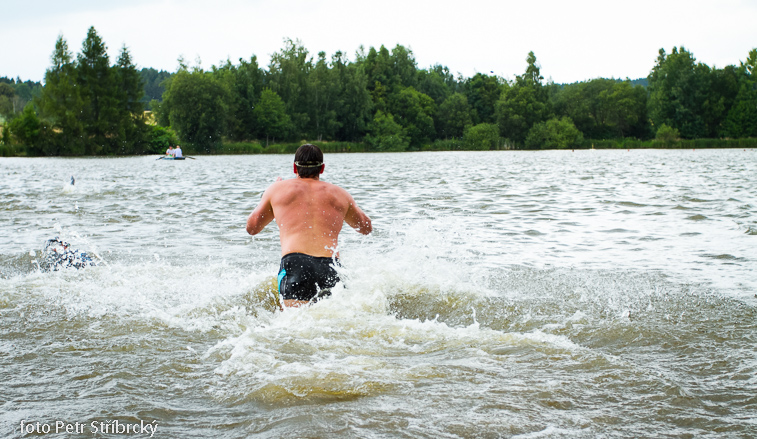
573	40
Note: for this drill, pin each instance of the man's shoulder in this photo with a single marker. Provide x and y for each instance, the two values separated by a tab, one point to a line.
331	187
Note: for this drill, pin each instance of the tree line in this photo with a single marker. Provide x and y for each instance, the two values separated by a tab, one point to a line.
385	101
381	100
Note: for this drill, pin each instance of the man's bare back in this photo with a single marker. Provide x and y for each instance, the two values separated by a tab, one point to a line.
310	214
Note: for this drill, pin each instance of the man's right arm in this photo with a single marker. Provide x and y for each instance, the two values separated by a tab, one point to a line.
262	215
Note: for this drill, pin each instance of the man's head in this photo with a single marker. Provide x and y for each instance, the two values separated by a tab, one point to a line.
308	161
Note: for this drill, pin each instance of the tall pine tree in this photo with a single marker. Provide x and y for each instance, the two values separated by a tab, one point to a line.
130	127
99	93
61	104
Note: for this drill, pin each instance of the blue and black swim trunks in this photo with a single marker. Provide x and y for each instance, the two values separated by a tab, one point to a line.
305	277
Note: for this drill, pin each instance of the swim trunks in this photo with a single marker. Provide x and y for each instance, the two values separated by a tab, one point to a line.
305	277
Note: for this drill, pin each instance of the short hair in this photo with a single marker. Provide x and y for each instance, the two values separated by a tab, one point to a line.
308	160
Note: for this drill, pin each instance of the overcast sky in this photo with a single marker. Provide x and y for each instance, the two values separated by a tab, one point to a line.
574	40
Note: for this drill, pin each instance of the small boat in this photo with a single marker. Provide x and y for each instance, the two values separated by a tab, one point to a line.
171	158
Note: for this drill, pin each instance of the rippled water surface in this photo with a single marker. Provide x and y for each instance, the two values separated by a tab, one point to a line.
502	294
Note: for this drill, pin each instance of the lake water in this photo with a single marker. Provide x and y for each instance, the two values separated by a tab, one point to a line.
502	294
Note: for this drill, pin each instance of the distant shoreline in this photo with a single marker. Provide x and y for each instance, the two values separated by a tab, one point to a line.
256	148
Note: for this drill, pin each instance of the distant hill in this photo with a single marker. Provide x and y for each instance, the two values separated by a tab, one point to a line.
641	82
11	81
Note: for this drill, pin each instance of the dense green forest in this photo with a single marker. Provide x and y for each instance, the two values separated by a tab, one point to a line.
15	94
379	101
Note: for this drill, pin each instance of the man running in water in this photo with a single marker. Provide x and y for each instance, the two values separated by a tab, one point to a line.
310	214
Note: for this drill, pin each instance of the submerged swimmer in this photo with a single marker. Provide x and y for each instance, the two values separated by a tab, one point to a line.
58	255
310	214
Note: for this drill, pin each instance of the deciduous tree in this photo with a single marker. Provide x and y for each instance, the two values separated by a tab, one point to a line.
288	77
677	91
353	105
554	134
741	120
325	95
604	108
415	112
385	134
483	92
482	137
195	103
244	83
272	117
454	116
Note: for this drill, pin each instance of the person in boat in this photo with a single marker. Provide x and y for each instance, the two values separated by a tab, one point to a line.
177	152
170	151
310	214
